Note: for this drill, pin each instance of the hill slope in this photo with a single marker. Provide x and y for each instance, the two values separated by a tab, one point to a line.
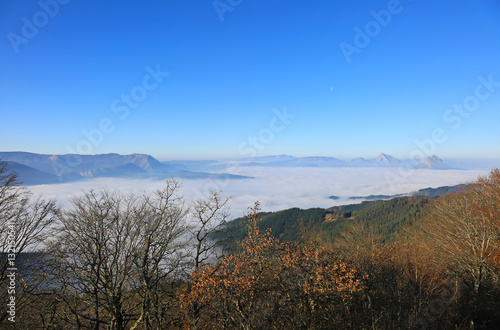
31	176
386	218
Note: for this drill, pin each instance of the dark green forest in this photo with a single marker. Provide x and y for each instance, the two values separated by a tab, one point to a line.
386	218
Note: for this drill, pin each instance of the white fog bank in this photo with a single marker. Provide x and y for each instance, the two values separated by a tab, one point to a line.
282	188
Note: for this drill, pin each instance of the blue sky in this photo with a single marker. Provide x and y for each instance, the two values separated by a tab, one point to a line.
251	78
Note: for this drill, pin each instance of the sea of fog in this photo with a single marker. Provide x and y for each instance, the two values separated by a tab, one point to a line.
282	188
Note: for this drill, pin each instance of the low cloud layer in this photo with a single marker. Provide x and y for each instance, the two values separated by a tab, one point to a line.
282	188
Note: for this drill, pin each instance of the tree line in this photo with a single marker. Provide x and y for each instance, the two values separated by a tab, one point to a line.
127	261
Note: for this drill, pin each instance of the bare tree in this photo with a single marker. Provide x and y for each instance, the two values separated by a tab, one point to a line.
23	227
160	251
95	250
117	253
464	228
209	217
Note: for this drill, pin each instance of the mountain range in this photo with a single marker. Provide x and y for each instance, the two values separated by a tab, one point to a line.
382	160
36	169
46	169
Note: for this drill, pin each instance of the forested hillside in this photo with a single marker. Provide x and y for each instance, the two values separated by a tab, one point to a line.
386	218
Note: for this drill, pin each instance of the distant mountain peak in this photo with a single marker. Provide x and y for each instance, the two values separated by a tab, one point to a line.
384	156
387	160
433	162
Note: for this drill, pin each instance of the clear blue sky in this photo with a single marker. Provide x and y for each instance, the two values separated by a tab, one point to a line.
232	65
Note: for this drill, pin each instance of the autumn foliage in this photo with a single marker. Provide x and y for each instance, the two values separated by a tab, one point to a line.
463	231
272	285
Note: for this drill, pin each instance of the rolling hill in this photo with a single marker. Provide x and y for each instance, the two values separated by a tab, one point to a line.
385	218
